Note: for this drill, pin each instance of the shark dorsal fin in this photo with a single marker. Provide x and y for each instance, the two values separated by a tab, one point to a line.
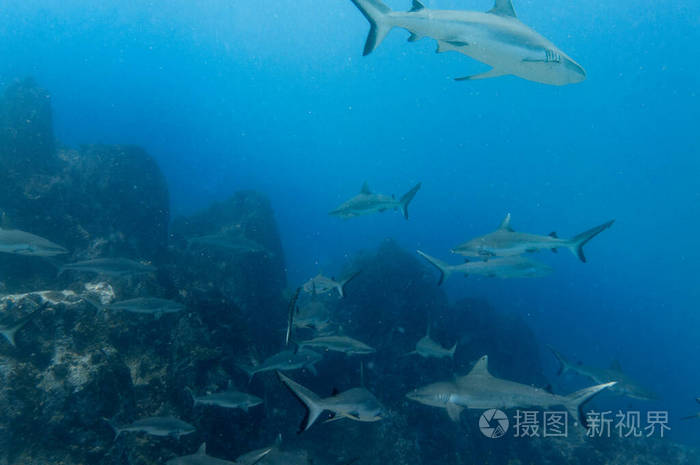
365	189
505	224
503	8
481	367
417	6
615	365
202	449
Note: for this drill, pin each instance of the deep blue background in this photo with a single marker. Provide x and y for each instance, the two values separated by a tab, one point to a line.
275	96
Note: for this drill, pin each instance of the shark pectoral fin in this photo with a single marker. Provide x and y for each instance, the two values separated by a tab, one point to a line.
312	369
493	72
450	45
454	411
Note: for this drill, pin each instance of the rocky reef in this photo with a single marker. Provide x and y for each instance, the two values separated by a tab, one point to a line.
75	363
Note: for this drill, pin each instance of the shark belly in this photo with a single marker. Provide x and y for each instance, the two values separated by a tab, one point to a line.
505	44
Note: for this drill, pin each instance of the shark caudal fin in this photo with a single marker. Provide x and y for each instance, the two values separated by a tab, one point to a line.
564	364
308	398
377	14
577	242
341	284
115	428
406	199
453	350
444	269
574	402
250	370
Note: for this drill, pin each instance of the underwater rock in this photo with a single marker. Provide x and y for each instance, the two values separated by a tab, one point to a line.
58	382
95	201
233	252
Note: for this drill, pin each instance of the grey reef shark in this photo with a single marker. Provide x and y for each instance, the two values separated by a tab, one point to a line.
497	38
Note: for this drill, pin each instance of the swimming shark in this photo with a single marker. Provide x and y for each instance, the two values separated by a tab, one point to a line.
367	202
117	267
201	458
286	360
155	426
496	37
344	344
480	390
355	404
19	242
426	347
320	284
144	305
314	314
505	242
501	267
625	386
236	243
226	399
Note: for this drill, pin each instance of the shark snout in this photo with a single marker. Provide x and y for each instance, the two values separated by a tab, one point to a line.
576	73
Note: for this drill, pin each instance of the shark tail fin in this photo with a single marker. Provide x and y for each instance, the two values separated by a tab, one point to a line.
453	350
376	13
341	284
250	370
574	402
406	199
191	394
444	269
308	398
115	428
564	364
10	333
578	241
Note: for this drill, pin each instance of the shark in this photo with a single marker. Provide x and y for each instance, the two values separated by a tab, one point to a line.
226	399
506	242
367	202
314	314
9	331
355	404
501	267
116	267
625	386
497	38
481	390
426	347
237	244
320	284
286	360
155	426
19	242
344	344
145	305
201	458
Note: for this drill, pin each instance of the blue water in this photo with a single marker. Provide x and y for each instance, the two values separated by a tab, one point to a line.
276	96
